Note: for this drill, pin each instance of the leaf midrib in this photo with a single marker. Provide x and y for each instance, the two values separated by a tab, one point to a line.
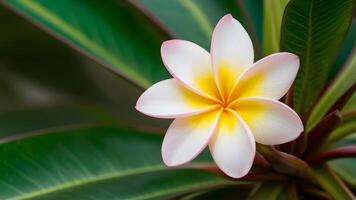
308	52
91	180
115	175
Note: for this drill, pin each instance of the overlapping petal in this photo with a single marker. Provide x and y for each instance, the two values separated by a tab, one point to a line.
190	64
231	51
187	137
233	146
270	77
168	99
270	121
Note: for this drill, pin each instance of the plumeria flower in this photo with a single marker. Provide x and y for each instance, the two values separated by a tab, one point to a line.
222	100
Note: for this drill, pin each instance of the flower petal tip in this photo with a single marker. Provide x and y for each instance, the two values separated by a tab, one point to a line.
238	175
227	17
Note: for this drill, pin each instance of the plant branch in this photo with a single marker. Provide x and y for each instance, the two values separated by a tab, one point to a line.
287	164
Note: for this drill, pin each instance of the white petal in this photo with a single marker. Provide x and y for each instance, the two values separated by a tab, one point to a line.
168	99
187	137
233	146
231	50
270	77
270	121
190	64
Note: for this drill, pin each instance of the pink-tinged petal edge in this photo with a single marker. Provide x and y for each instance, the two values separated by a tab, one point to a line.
296	117
252	142
170	44
140	105
279	55
194	154
224	20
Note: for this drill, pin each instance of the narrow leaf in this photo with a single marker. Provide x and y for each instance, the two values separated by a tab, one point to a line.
344	81
347	127
272	19
332	184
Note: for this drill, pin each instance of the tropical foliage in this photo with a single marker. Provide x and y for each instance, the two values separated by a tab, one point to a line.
71	72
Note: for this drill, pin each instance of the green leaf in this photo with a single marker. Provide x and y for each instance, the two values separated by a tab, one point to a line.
332	184
346	128
195	20
95	163
350	105
25	61
267	191
272	19
345	167
309	30
340	85
111	32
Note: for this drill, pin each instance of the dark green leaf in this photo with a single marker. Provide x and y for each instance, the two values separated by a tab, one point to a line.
111	32
314	30
94	163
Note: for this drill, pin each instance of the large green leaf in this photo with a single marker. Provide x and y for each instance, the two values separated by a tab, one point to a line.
94	163
194	20
36	69
272	19
236	192
16	121
25	61
112	32
341	84
314	30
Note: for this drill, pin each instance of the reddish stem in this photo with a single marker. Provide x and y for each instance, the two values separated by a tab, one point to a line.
322	130
340	152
